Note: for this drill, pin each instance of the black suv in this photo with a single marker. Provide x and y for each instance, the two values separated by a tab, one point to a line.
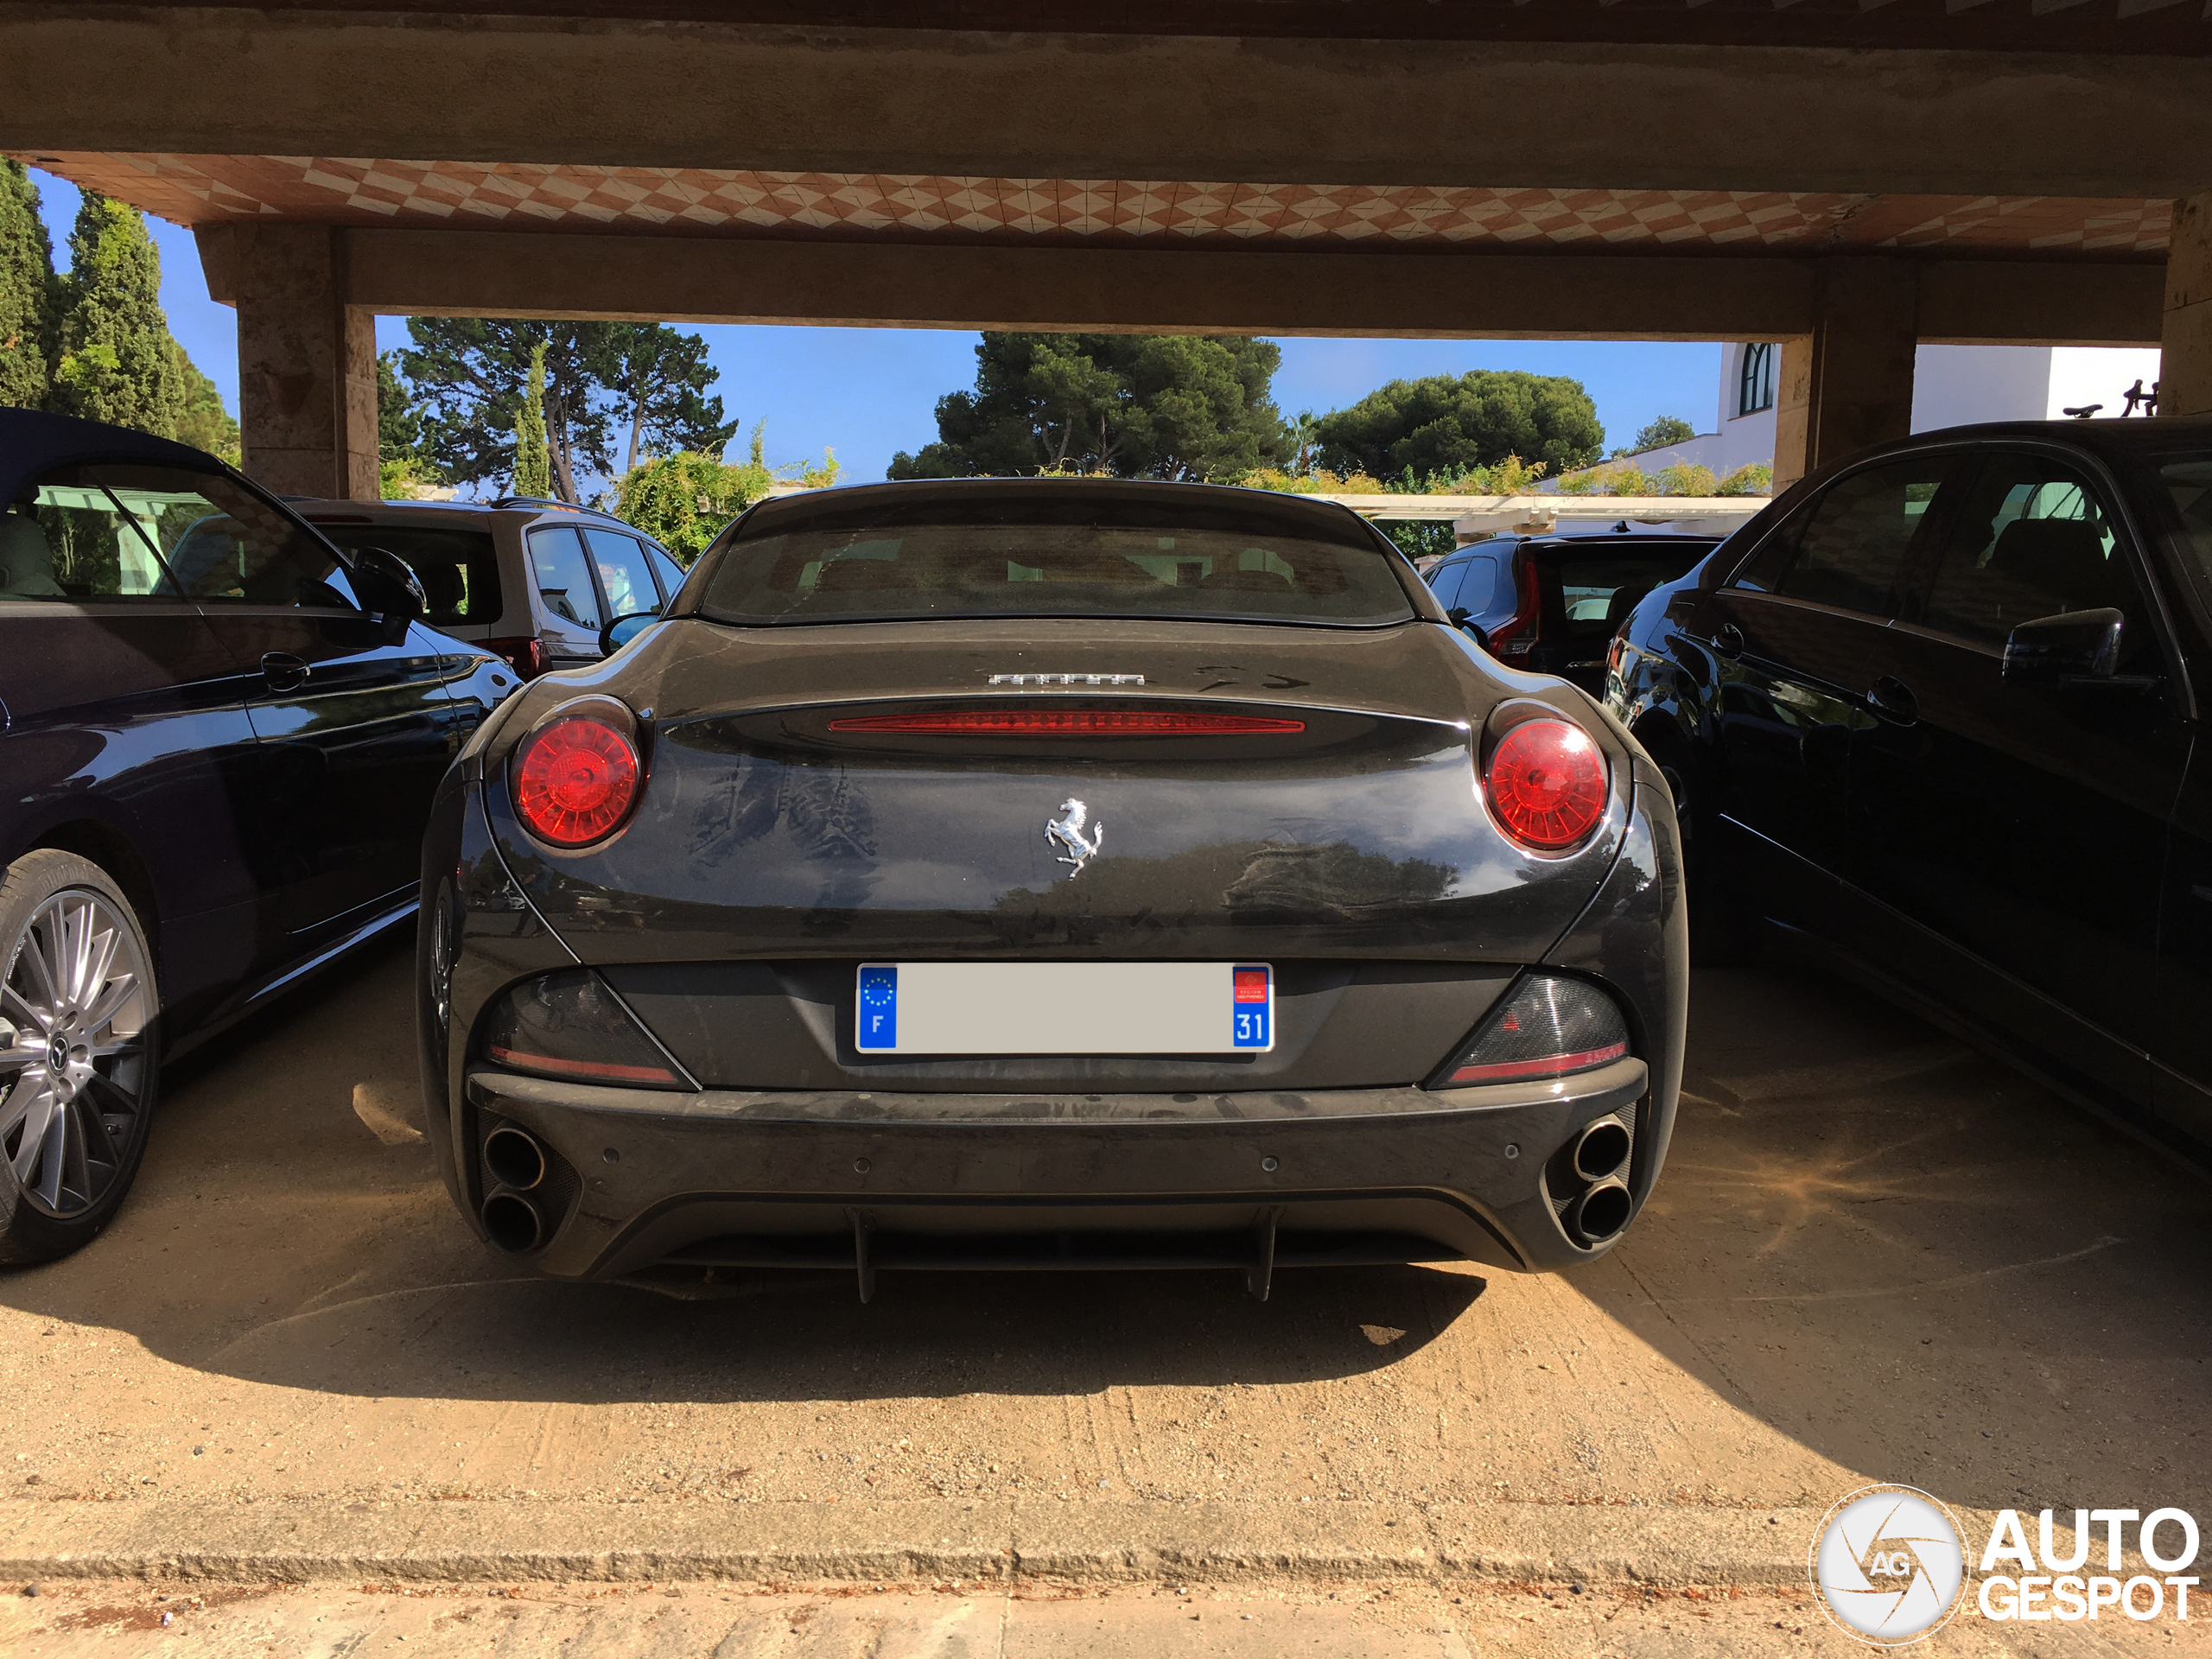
1550	603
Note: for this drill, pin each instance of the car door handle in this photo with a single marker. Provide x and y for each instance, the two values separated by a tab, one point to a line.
284	671
1728	639
1893	698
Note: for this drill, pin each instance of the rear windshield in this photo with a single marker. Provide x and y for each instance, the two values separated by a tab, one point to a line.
459	569
993	558
1585	595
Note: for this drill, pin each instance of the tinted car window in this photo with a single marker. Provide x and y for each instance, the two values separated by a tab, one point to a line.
2028	540
1586	595
624	576
1850	550
68	537
670	572
2188	481
556	563
223	543
460	569
168	531
993	558
1444	582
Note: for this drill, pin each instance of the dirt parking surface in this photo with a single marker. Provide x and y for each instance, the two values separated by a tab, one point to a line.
1048	1622
1872	1257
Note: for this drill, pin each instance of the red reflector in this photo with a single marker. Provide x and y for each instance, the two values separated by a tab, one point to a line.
1547	783
582	1068
575	781
1549	1065
1069	722
525	654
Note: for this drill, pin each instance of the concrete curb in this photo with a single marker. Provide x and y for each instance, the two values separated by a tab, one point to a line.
492	1541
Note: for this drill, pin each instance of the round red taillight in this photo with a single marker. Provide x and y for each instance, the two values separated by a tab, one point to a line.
576	781
1547	783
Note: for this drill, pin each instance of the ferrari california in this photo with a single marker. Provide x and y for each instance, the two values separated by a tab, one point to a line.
1050	873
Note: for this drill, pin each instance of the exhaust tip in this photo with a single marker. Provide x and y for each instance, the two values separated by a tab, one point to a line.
515	1158
512	1223
1601	1212
1602	1150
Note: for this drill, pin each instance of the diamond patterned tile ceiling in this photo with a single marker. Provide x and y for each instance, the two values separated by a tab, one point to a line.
701	201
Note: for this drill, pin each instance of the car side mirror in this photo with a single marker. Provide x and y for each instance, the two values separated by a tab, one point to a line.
1458	615
2053	650
623	629
389	591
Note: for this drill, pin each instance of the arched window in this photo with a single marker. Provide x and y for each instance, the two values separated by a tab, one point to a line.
1755	383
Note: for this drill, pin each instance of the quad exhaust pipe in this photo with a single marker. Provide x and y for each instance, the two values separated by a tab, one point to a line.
1593	1166
512	1219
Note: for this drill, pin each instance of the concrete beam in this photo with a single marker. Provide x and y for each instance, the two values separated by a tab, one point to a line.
306	363
1848	384
458	88
1486	296
2186	365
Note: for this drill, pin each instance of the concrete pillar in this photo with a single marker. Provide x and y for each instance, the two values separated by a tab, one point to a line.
2185	338
306	364
1848	384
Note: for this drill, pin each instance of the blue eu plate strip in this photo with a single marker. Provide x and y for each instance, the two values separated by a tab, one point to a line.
1252	1005
879	1008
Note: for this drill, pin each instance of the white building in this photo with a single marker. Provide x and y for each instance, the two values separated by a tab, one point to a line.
1952	385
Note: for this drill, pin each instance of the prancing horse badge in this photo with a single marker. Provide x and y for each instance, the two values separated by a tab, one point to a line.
1066	832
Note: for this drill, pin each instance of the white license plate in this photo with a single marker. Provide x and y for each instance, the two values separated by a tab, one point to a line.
1065	1007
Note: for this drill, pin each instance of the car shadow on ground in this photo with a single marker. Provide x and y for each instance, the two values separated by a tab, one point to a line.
1873	1252
1918	1263
275	1235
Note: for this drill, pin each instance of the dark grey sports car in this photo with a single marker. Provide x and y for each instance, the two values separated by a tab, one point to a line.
1042	872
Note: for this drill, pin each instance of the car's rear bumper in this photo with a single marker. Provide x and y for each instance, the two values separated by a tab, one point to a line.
643	1181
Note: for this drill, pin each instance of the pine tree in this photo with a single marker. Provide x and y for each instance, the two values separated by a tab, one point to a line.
533	459
25	292
115	360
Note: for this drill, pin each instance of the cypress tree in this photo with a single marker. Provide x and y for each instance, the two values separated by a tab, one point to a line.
201	420
533	458
116	361
25	292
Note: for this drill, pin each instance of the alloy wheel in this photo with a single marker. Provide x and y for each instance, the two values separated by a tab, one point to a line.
75	1051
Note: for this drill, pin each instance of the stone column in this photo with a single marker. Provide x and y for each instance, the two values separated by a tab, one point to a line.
1848	384
306	363
2185	337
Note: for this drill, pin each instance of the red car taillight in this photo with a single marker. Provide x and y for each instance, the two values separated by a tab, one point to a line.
1516	636
525	655
1069	722
576	781
1547	783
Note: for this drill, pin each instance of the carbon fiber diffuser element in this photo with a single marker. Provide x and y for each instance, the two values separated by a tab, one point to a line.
1548	1027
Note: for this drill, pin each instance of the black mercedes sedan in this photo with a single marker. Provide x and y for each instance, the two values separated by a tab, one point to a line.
218	742
1050	873
1934	717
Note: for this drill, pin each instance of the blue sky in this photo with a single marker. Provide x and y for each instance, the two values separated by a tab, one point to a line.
867	393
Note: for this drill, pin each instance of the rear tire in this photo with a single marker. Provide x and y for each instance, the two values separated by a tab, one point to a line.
79	1055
